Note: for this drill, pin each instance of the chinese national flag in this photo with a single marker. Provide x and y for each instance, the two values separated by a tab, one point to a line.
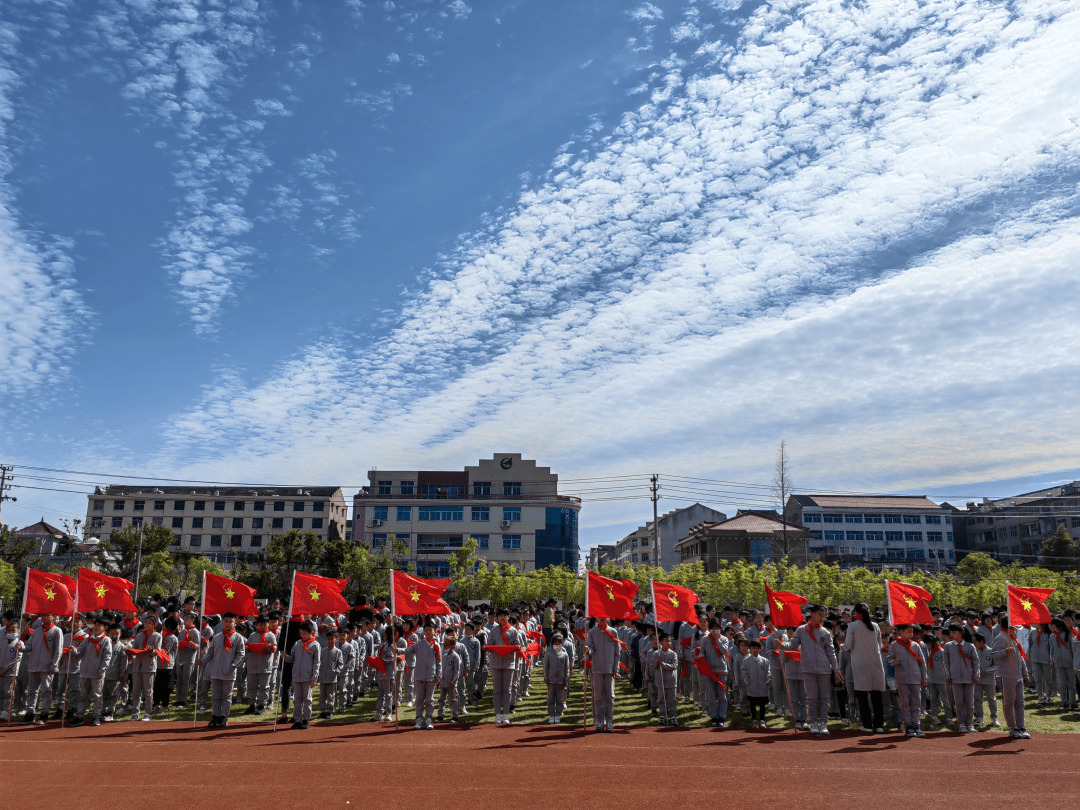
47	593
102	592
907	603
1028	605
314	594
674	603
785	609
609	598
223	595
413	596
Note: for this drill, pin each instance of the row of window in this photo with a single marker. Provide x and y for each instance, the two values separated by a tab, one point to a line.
644	557
829	517
891	554
218	540
479	514
219	506
509	541
215	523
882	537
480	489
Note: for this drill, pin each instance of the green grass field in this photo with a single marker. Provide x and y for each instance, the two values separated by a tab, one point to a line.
631	709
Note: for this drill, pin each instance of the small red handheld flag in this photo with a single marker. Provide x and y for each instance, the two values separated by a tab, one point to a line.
225	595
907	603
101	592
314	594
609	598
673	603
413	596
46	593
1028	605
785	609
706	670
376	662
794	655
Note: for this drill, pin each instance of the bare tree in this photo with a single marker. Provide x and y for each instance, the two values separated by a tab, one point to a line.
782	487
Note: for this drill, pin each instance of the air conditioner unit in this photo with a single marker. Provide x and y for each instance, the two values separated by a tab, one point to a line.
376	522
505	524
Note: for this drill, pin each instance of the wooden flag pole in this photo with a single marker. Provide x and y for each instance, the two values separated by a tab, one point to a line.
198	659
18	656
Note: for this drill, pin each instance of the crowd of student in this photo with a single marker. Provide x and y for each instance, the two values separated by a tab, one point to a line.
849	666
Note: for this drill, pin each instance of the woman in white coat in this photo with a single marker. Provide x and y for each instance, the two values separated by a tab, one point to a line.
864	643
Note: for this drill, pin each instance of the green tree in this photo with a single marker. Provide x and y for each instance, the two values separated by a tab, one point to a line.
294	551
9	585
976	566
16	552
1060	552
120	553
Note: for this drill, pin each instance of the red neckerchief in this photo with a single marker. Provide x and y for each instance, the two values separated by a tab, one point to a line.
304	644
1059	641
964	655
1017	643
1076	633
716	646
907	646
226	640
502	632
613	637
264	635
931	661
45	635
435	647
96	641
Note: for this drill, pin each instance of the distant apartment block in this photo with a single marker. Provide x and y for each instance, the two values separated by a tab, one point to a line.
638	547
223	523
509	504
905	532
754	536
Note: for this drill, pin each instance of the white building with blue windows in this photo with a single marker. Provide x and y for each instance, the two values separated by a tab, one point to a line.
509	504
907	532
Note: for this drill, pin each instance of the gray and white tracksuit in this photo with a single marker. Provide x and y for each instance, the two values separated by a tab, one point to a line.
221	666
260	669
1012	670
604	653
664	666
305	674
96	654
984	686
502	666
962	668
910	668
115	678
938	696
818	664
712	649
449	676
10	657
556	675
187	653
331	664
426	661
143	667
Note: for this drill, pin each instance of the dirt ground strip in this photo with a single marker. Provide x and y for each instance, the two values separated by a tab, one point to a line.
480	767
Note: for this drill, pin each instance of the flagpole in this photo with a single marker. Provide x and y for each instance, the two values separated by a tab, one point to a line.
198	655
285	640
1008	604
888	602
18	639
71	650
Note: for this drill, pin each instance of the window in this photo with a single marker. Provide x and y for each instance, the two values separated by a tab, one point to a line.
176	541
428	490
871	518
512	513
892	518
896	554
633	558
236	540
913	537
894	537
256	523
217	523
238	523
136	521
481	489
117	505
918	554
1075	524
117	522
407	488
817	535
875	537
386	487
380	513
99	506
256	541
279	506
481	513
378	540
440	513
644	556
159	506
481	540
952	553
511	541
912	518
298	506
178	523
404	513
316	523
158	520
197	523
219	506
96	522
215	540
948	536
318	506
140	506
948	520
258	506
455	491
195	541
817	550
298	523
811	517
404	538
830	518
852	518
855	537
199	506
512	488
933	537
277	523
933	519
834	537
238	506
179	506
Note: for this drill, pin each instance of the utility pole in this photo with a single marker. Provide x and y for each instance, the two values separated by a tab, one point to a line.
655	487
4	485
138	563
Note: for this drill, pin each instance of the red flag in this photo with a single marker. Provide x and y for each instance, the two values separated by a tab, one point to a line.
673	603
258	647
314	594
532	650
907	603
609	598
101	592
502	649
706	670
47	593
225	595
376	662
1028	605
413	596
794	655
785	609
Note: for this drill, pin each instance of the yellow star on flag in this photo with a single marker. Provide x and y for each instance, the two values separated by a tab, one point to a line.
610	595
674	597
229	593
911	603
99	589
314	593
414	595
1025	604
779	605
50	594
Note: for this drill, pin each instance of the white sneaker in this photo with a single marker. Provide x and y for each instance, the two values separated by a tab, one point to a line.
463	710
557	719
146	718
996	724
136	716
824	729
419	725
410	704
429	726
3	715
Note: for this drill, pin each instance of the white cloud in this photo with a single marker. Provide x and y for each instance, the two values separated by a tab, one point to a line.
459	9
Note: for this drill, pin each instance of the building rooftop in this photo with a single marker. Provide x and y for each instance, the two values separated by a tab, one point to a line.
191	490
747	522
41	529
866	501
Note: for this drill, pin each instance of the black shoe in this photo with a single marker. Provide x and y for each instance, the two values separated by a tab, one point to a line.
720	724
180	705
57	714
96	721
249	710
297	725
259	709
223	722
27	719
304	726
213	722
75	722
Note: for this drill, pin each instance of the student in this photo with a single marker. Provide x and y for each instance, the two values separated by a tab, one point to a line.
910	667
143	666
42	651
116	673
305	658
961	672
502	666
769	648
1042	669
793	676
664	666
713	651
260	665
1013	671
818	665
471	641
10	657
754	674
603	647
163	678
984	686
187	651
938	694
557	669
448	676
331	663
426	663
1061	656
221	661
95	654
742	649
348	654
387	694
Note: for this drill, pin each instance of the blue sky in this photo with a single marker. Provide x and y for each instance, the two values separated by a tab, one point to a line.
287	242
